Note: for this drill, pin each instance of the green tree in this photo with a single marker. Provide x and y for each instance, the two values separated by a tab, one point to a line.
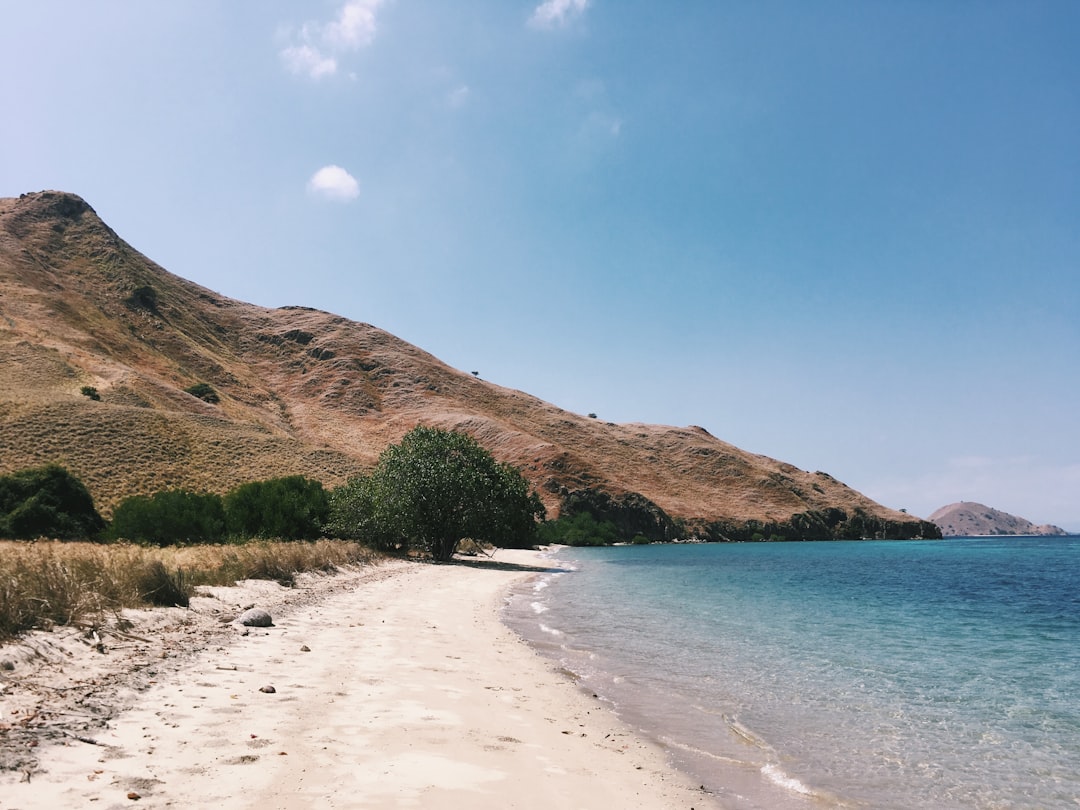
169	517
431	491
289	508
47	502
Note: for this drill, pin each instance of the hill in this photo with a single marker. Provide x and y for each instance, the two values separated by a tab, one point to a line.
307	392
970	519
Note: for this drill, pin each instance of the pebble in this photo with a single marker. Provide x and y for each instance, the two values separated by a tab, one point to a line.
268	689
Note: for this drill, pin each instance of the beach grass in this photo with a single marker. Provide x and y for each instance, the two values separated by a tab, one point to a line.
48	583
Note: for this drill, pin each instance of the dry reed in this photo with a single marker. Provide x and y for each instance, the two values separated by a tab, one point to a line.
48	583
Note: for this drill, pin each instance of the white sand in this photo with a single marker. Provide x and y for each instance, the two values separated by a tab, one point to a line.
412	695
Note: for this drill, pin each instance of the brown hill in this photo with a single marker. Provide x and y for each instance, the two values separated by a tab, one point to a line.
970	519
307	392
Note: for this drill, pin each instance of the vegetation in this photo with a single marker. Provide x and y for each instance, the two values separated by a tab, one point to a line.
432	490
205	392
44	584
47	502
169	517
580	529
290	508
90	392
143	298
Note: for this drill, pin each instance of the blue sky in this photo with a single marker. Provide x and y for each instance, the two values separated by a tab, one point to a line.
842	234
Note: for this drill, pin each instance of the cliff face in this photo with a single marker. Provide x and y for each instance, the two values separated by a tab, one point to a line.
308	392
970	519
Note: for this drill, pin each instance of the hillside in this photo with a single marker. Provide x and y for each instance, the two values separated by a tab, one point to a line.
308	392
969	519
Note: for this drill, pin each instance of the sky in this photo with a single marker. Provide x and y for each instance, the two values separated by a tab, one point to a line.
842	234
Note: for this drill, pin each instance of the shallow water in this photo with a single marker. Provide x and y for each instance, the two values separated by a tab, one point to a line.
939	674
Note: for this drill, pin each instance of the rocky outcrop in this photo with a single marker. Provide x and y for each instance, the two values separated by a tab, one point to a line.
631	513
826	524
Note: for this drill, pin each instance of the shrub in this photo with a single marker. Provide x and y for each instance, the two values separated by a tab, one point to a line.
204	391
581	529
169	517
91	392
143	298
47	502
290	508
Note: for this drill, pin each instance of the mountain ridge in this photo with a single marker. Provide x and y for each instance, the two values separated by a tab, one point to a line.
309	392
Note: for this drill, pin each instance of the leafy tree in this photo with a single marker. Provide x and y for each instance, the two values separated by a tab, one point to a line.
47	502
169	517
290	508
431	491
355	515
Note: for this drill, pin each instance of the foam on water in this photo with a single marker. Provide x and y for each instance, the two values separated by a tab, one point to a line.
774	774
889	675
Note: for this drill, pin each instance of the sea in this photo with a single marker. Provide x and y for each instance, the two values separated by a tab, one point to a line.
866	674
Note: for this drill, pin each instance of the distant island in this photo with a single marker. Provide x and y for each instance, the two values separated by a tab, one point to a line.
970	519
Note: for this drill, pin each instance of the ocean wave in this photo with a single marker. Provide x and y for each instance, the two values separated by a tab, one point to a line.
777	776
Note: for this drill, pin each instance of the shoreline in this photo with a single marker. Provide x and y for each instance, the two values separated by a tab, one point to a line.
394	686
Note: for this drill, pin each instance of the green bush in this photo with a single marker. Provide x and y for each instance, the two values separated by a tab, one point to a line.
143	298
205	392
290	508
47	502
169	517
581	529
91	392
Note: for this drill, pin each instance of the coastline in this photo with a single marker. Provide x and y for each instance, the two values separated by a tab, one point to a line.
395	686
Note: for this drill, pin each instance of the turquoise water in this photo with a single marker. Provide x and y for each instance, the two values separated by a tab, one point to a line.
937	674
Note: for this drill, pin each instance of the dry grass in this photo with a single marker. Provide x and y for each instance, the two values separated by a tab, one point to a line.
50	583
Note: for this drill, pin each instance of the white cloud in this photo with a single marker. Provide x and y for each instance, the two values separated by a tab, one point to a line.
305	59
355	25
557	13
317	46
458	96
334	183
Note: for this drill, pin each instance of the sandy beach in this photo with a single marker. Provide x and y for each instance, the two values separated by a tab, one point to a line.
392	686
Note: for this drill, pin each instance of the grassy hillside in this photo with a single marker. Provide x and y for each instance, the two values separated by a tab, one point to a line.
308	392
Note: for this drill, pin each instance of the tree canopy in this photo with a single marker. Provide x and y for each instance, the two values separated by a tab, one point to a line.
432	490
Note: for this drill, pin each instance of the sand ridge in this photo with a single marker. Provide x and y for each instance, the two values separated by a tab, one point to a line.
402	690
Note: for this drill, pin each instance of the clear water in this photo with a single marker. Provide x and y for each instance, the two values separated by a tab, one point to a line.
937	674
